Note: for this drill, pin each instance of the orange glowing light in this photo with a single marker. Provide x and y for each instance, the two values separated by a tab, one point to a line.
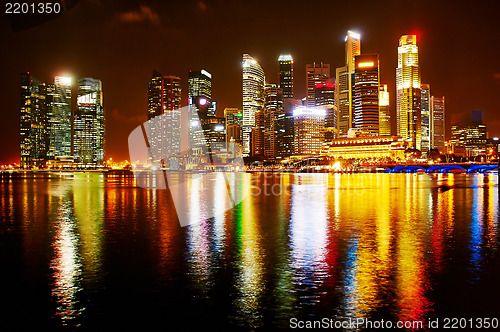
365	64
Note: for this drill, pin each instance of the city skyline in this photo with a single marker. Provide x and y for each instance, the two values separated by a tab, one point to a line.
123	115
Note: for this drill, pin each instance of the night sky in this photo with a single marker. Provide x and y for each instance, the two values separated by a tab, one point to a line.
121	42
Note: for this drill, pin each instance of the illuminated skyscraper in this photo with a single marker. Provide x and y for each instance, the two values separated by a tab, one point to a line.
286	130
316	73
60	120
344	79
258	135
408	99
325	97
234	121
286	75
200	84
437	115
200	107
253	98
384	112
472	135
425	106
309	126
34	132
164	98
366	94
273	107
88	123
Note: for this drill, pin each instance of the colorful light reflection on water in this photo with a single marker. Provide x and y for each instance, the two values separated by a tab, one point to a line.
90	251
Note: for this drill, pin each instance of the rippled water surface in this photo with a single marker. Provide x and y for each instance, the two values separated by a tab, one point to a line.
88	251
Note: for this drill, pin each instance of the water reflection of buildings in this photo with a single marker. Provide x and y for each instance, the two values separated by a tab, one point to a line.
308	238
250	256
348	245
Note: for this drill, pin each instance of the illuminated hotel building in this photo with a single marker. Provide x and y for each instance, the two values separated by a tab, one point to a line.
437	110
34	129
325	97
344	79
60	120
384	112
234	121
309	126
366	94
378	147
408	97
88	123
273	106
286	74
425	106
316	73
253	101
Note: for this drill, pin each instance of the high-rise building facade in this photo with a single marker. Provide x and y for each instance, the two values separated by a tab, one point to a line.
286	130
234	121
426	121
214	129
200	84
309	126
253	98
88	124
273	107
200	107
472	135
384	112
325	97
60	119
164	98
344	79
258	135
408	99
316	73
352	48
437	115
34	129
366	94
286	74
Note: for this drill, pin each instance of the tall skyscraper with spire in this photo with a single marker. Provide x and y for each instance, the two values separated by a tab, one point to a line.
253	98
408	92
344	78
